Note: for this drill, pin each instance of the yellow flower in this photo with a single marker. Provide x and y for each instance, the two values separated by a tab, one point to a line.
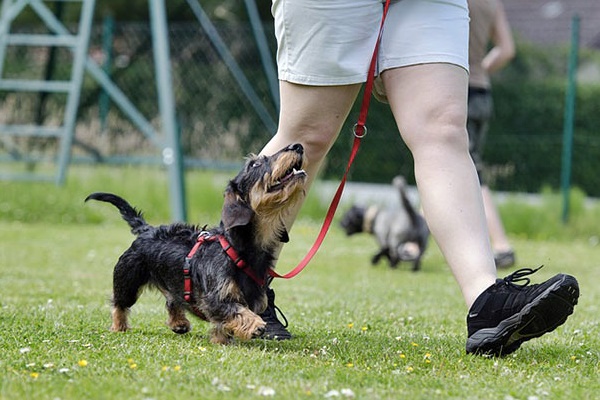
349	365
351	325
402	355
364	328
409	369
177	368
82	363
164	368
34	375
130	360
133	365
415	344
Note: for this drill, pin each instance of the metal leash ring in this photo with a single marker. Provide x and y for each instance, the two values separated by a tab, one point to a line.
356	134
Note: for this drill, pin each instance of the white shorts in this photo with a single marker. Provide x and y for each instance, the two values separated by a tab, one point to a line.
331	42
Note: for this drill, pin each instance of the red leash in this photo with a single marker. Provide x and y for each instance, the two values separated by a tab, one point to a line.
360	130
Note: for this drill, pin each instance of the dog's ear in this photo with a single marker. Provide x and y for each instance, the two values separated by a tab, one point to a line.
235	210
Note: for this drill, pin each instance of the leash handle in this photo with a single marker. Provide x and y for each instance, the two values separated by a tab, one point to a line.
359	130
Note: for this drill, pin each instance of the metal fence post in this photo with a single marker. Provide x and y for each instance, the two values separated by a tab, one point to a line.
171	151
108	26
567	153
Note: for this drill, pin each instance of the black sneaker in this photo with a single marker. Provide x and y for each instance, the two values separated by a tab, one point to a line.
505	259
506	314
274	330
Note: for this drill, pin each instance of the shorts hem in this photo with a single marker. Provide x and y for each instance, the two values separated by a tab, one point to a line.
321	80
391	63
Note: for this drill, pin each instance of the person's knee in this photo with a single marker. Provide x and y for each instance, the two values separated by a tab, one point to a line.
444	127
317	138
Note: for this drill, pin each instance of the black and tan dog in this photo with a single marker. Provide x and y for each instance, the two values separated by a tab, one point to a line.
393	229
222	278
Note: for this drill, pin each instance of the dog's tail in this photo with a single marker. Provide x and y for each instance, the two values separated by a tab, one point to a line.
132	216
400	183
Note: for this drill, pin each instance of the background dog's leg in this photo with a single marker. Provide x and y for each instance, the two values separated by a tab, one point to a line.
384	251
417	265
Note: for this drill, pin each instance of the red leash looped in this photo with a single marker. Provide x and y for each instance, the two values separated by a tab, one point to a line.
359	130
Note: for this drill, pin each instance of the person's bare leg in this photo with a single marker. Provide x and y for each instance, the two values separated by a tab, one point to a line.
312	116
429	104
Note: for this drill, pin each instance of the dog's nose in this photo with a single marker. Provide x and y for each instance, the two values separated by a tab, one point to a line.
297	147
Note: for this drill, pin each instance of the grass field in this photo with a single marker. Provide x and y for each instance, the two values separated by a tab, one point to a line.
359	331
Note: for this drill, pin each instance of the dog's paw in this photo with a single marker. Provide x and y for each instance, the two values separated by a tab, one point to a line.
259	332
119	327
181	329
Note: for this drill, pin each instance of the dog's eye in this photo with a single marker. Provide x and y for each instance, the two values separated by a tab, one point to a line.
254	164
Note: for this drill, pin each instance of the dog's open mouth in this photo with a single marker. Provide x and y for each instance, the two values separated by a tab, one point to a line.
292	173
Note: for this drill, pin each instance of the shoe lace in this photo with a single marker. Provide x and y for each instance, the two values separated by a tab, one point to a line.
520	276
272	309
277	309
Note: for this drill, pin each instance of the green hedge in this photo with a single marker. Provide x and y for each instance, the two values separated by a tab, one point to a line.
525	141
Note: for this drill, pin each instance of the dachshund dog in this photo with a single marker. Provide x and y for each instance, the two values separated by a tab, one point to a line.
217	274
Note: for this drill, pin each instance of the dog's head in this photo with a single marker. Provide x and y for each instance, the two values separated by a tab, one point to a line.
352	220
267	187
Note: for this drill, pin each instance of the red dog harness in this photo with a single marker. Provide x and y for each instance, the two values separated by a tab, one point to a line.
204	237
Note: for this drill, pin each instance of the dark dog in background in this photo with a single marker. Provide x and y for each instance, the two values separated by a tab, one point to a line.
224	278
394	229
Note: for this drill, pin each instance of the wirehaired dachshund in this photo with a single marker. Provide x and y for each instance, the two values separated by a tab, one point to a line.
217	274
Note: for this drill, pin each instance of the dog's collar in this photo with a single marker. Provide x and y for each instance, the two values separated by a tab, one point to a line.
369	219
203	237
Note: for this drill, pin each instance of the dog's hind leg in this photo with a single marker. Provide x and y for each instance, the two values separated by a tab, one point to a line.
119	319
417	265
128	278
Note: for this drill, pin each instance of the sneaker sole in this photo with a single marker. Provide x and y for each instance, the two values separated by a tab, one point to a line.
545	313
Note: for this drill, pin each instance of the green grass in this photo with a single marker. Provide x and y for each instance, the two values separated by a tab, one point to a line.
381	333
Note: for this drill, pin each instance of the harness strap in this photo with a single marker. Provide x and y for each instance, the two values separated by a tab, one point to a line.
227	248
187	280
360	130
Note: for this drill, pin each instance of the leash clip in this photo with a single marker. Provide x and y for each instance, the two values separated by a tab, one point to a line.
203	235
355	131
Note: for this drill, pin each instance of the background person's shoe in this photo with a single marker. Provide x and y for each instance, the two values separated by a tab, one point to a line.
274	330
505	259
506	314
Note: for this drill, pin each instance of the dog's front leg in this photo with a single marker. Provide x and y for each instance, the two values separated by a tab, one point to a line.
383	252
178	322
239	322
219	334
245	324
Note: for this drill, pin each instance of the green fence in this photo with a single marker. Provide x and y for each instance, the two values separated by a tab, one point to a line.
219	125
